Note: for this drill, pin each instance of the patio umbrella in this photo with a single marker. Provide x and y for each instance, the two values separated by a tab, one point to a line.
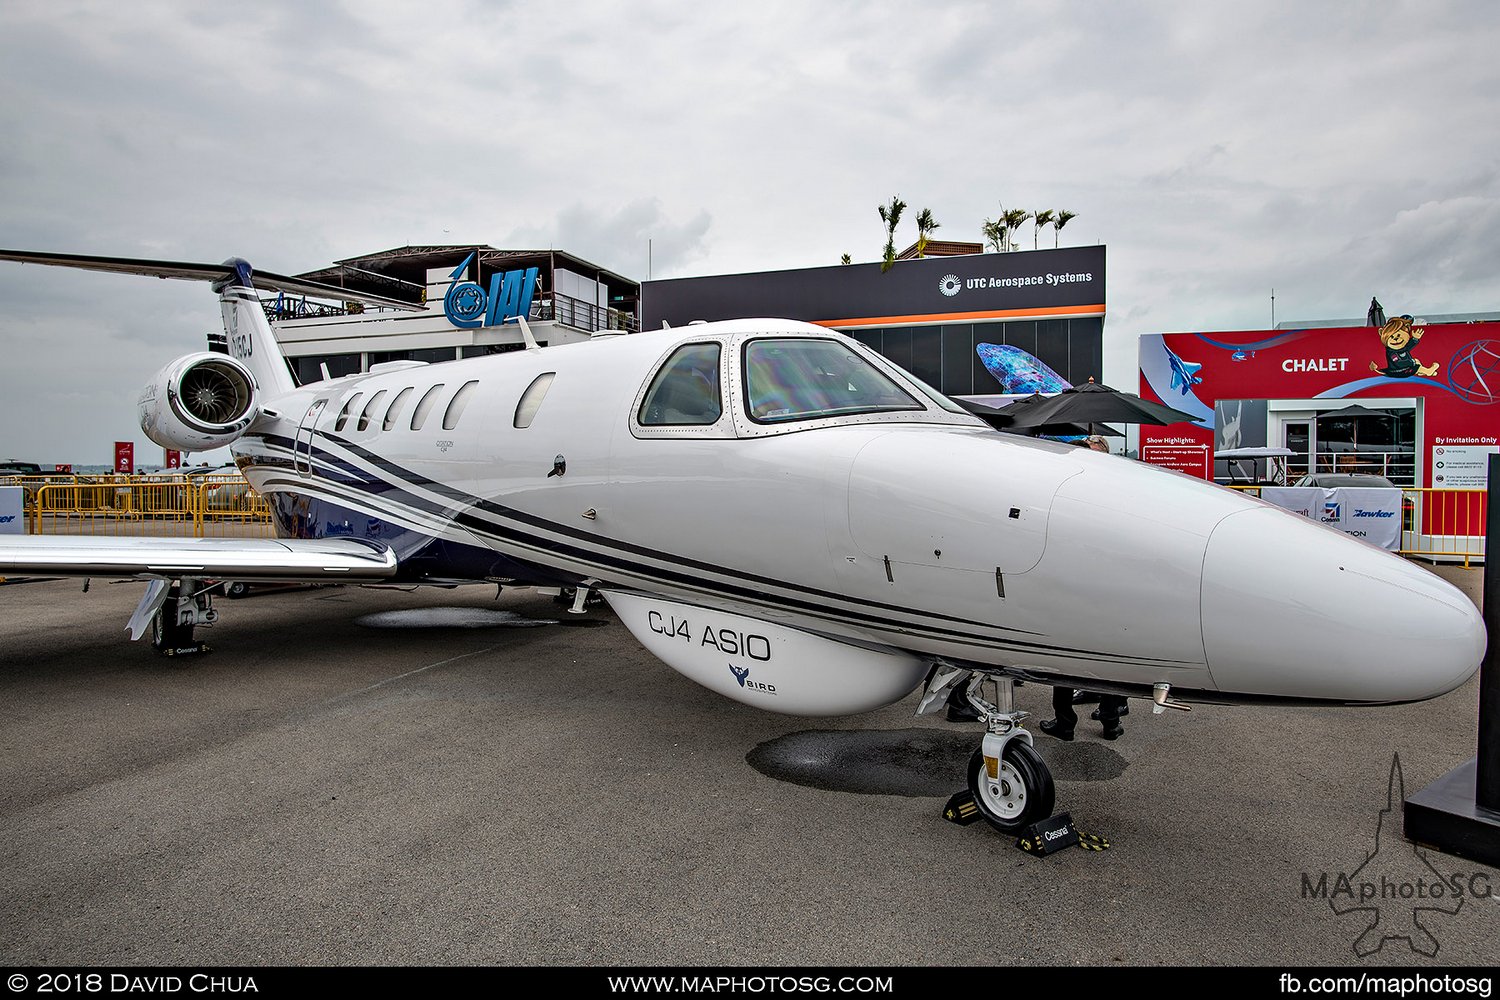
1087	404
999	418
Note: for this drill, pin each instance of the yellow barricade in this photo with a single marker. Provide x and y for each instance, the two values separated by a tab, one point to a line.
177	506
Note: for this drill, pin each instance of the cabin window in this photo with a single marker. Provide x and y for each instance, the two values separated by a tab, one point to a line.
531	399
456	407
397	405
788	380
343	417
369	410
424	406
686	390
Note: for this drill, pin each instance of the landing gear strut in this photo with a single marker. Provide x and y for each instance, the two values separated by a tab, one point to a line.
1007	777
187	605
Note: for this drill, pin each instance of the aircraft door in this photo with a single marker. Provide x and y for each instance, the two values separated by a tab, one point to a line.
302	450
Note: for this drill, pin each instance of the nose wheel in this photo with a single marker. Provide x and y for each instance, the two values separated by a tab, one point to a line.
1016	791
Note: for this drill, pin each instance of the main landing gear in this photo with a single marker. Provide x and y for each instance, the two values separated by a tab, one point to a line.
1008	780
173	613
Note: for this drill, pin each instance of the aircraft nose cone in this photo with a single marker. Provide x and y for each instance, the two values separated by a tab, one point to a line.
1292	608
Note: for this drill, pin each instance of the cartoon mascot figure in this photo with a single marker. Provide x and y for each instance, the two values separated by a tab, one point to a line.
1400	338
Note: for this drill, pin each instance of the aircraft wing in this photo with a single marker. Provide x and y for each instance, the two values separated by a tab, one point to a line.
189	271
282	560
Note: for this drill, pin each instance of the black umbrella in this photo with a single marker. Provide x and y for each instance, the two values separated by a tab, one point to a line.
1088	404
999	418
994	417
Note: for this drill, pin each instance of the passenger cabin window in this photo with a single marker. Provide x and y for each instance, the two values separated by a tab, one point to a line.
343	417
531	399
456	407
424	406
686	390
397	405
369	410
788	380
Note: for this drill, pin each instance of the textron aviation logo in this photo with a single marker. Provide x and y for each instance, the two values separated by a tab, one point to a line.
950	285
1396	890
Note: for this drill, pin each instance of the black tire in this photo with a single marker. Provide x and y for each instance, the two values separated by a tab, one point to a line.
1025	790
166	634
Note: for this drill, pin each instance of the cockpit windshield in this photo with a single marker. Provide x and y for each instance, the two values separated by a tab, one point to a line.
787	380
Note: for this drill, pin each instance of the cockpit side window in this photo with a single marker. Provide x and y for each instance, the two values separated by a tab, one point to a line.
788	380
685	390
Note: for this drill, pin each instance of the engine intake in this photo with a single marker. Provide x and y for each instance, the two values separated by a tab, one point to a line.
199	402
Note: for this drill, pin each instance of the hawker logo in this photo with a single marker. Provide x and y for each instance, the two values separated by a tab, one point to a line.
950	285
1331	511
468	306
1358	512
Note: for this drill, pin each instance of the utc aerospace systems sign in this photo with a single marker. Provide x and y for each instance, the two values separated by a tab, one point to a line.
468	306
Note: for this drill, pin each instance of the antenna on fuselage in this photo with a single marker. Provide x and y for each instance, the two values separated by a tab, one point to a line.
665	325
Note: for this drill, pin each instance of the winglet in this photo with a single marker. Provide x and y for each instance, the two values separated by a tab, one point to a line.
531	344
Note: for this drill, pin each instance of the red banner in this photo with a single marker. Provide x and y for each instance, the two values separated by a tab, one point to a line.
174	459
125	457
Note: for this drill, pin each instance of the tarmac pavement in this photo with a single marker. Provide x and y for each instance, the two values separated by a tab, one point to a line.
319	791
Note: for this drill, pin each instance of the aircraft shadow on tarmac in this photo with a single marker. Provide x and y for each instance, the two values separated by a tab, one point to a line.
916	763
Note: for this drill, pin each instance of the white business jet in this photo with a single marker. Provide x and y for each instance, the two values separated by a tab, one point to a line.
783	516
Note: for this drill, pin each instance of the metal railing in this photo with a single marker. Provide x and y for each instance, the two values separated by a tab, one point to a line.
1436	524
180	506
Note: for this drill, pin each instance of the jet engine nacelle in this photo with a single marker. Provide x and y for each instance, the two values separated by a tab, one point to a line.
198	402
767	665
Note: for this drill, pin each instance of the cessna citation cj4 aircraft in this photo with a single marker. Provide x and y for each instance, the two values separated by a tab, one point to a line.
783	516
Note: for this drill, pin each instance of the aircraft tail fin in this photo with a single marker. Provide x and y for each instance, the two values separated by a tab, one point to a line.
248	336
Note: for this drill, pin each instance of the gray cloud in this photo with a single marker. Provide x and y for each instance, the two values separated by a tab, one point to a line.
1329	152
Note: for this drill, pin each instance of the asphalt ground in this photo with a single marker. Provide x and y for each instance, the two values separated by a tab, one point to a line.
319	791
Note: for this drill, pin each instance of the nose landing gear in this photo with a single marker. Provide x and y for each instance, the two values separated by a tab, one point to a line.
1008	779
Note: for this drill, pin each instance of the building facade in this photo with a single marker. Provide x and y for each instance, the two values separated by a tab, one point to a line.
469	297
928	315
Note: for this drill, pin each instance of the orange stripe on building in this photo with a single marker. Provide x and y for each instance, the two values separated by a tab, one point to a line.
959	317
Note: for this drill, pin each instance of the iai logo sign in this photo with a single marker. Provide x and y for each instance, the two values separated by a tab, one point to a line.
468	306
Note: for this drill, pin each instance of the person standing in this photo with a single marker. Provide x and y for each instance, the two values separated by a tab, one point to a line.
1064	719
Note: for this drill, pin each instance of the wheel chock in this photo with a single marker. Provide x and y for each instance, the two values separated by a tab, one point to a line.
1047	836
192	650
962	809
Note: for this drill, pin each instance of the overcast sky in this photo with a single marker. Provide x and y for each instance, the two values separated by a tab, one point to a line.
1329	151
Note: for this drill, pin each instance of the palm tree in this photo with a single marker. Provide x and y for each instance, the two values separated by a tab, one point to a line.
1042	218
846	259
994	234
925	225
1014	219
890	215
1063	215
